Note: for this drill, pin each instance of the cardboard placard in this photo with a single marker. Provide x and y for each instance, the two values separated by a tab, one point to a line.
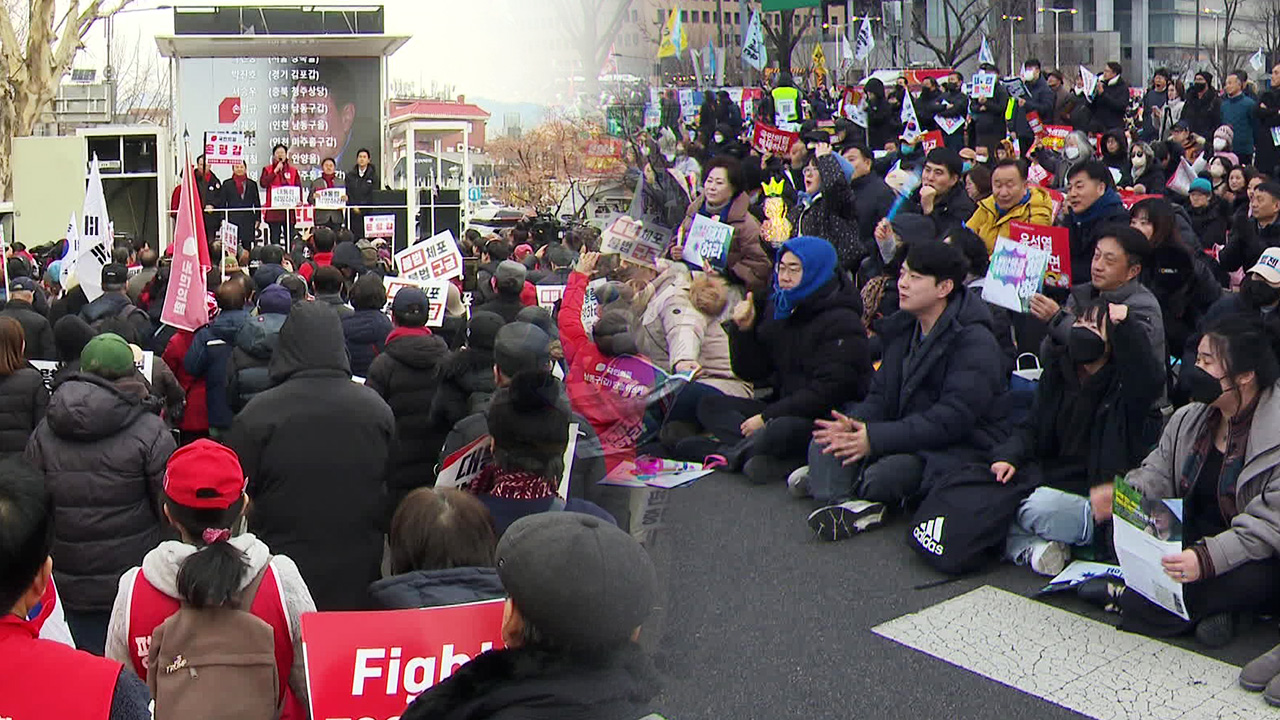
637	241
709	240
1015	274
373	664
223	148
229	236
984	85
950	125
379	226
286	196
436	258
330	199
465	463
1055	136
549	295
765	138
1053	240
437	292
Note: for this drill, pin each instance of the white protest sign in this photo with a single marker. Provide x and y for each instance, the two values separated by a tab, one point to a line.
436	258
146	365
949	125
639	242
984	85
229	236
379	226
286	196
709	241
329	199
437	292
47	369
224	148
549	295
304	216
465	463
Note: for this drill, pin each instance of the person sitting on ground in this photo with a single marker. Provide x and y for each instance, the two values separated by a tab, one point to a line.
366	328
212	564
211	348
255	342
35	327
936	403
1145	174
36	671
406	375
579	591
102	450
508	283
1077	149
1011	200
1093	419
328	284
441	552
826	208
722	199
1117	264
1208	215
1215	455
23	397
1254	232
466	376
1092	204
806	341
941	196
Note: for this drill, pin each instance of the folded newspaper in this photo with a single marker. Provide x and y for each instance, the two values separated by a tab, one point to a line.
1146	531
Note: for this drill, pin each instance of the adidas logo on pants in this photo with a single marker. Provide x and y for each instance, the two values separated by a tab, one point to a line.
929	535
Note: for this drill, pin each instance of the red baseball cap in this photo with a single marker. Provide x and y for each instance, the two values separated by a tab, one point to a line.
204	475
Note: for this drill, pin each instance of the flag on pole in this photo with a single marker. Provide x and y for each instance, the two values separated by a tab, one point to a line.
753	50
94	250
674	41
866	42
819	64
984	53
73	249
184	300
1088	80
910	125
696	57
1258	60
709	60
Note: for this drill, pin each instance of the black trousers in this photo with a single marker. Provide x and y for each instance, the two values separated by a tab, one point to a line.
1252	587
785	437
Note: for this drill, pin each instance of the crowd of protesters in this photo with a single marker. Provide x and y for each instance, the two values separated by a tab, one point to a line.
842	350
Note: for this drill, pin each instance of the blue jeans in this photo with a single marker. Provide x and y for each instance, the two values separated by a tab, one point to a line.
1049	514
89	630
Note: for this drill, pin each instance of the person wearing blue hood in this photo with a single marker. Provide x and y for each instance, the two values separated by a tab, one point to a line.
826	207
936	403
807	342
1092	204
211	351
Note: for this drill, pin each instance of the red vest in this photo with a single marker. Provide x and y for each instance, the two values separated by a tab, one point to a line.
148	608
35	675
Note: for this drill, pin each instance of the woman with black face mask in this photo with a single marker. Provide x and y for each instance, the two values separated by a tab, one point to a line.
1221	456
1092	420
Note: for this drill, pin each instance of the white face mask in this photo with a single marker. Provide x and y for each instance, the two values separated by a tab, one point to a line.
1028	75
1139	161
1219	144
1216	171
980	159
1071	151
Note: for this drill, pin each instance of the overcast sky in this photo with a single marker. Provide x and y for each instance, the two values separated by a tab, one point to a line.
481	46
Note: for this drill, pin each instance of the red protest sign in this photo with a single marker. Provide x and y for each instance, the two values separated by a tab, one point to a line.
1131	198
931	140
1033	121
1054	240
1055	136
1038	175
373	664
765	138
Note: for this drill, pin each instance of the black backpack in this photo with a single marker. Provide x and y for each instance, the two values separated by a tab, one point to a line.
963	521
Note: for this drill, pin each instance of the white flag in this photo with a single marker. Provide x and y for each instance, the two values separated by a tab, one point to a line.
73	249
1090	81
753	50
696	57
910	125
984	53
1259	60
95	236
866	42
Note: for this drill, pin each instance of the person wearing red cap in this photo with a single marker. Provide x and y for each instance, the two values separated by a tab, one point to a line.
204	499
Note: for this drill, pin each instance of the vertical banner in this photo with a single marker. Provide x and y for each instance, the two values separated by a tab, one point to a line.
184	301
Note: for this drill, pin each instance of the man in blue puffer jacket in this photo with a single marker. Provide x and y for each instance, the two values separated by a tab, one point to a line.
211	349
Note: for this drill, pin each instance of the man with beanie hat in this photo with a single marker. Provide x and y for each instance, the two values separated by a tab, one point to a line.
508	283
466	377
316	448
254	343
102	448
579	593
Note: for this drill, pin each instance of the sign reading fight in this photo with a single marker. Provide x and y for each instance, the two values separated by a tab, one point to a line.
374	664
436	258
636	241
709	240
1053	240
379	226
770	139
437	292
223	148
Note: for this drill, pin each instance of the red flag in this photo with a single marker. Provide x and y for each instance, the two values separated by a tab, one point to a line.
184	301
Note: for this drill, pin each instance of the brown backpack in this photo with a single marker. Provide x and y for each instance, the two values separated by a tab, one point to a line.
215	664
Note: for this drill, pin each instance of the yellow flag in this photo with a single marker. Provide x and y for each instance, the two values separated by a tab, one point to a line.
674	39
819	63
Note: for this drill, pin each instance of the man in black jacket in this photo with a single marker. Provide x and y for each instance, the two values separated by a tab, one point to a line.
239	197
937	402
1156	97
1041	103
1111	101
1255	232
954	106
872	198
35	327
941	196
316	448
1266	149
361	183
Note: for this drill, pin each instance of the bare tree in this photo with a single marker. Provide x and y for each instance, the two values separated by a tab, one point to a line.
401	88
786	37
36	50
142	84
959	35
550	165
1225	59
1266	30
591	26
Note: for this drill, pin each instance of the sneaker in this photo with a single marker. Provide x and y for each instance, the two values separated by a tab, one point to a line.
798	483
1272	693
762	469
1049	557
843	521
1217	630
1259	673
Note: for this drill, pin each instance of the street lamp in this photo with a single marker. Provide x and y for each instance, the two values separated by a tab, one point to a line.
1057	63
1012	19
1217	14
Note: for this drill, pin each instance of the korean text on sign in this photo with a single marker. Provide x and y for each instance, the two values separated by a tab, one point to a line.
436	258
380	226
224	148
437	292
641	243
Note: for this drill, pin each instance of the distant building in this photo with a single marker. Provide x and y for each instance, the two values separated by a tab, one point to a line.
406	109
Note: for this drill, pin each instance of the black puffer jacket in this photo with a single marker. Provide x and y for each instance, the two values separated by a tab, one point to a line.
831	215
1247	242
433	588
815	360
316	448
35	329
366	332
102	450
406	376
872	200
247	370
23	400
466	384
951	209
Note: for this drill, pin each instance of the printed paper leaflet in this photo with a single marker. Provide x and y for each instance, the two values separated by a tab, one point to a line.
1146	531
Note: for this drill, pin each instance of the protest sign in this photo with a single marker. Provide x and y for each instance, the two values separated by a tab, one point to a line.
437	292
1057	199
1055	136
223	148
950	125
1145	532
1053	240
770	139
379	226
465	463
1038	175
1015	274
229	236
330	199
286	196
984	85
1131	198
47	370
709	241
436	258
930	140
1016	88
373	664
637	241
549	295
1037	127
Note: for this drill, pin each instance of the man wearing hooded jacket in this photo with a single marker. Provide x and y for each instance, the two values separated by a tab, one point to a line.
316	448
